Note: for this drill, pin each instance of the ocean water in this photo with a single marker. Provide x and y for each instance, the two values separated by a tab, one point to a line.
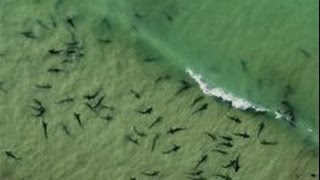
135	55
265	52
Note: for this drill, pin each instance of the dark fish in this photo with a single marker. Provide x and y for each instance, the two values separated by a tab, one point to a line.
54	51
99	102
91	96
136	95
146	111
197	178
272	143
235	119
243	135
288	105
90	107
158	120
227	138
28	34
154	141
233	164
66	100
244	65
70	21
131	139
198	99
45	129
53	21
226	144
203	159
220	151
225	177
106	22
111	108
37	102
212	136
175	148
105	41
289	112
39	108
66	129
261	127
151	174
141	134
201	108
1	88
41	24
149	59
73	50
9	154
185	86
108	118
195	173
138	15
44	86
305	53
78	118
55	70
175	130
161	78
168	16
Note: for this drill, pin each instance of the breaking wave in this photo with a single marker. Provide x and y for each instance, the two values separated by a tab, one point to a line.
236	102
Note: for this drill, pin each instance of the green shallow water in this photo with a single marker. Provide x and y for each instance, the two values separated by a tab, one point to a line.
99	149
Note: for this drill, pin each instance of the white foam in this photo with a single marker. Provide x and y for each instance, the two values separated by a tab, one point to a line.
236	102
278	114
310	130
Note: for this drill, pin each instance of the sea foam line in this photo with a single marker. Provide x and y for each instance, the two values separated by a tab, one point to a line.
236	102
